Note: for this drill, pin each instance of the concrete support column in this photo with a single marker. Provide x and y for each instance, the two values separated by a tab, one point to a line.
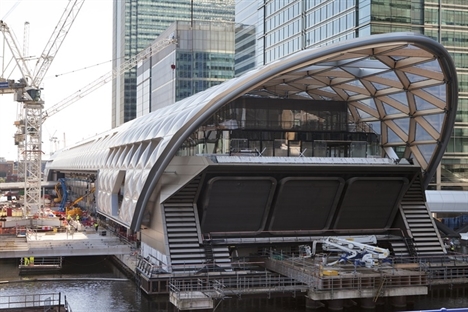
313	304
367	303
399	301
335	305
348	303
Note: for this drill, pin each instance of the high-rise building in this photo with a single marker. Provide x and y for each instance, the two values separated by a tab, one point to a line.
137	23
195	58
270	29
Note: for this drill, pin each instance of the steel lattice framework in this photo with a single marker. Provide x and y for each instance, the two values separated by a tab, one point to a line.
32	155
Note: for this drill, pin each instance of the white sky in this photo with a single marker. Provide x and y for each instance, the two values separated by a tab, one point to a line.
89	42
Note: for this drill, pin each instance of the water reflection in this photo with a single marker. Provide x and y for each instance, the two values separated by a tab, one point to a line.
85	282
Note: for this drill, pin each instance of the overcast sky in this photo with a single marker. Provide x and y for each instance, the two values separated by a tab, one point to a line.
88	43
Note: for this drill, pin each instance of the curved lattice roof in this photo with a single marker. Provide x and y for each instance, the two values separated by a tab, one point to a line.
402	85
398	88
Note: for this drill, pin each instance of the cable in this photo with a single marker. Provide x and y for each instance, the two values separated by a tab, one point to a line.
77	70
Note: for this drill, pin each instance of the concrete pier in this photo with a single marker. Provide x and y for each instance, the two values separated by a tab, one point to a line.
367	303
313	304
335	305
399	301
190	300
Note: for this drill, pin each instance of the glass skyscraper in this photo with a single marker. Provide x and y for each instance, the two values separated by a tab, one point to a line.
271	29
137	23
203	57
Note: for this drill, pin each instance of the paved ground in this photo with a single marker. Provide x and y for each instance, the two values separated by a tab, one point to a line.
62	236
38	309
55	244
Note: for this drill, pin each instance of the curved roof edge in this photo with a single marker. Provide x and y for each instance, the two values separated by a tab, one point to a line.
250	80
447	201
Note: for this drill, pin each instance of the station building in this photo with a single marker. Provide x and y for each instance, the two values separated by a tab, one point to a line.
340	140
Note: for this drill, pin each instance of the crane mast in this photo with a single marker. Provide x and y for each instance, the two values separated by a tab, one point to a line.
28	136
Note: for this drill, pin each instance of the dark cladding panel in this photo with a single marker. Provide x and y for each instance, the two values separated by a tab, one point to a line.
370	203
305	204
237	204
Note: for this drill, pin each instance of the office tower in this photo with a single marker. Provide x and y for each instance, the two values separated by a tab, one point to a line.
190	59
137	23
280	28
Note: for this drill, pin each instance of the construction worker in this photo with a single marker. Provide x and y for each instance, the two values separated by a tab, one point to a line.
96	226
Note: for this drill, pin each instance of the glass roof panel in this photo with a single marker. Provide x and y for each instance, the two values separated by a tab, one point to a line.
375	125
437	91
400	97
432	65
327	89
350	93
388	75
436	121
363	114
379	86
421	134
427	150
392	137
371	71
403	124
303	94
397	58
369	102
422	104
415	78
356	83
390	110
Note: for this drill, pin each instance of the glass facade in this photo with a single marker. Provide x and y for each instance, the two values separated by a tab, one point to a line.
200	70
256	126
290	26
202	58
137	23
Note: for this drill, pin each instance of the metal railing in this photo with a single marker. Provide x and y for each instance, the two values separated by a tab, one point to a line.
235	285
435	270
47	301
55	262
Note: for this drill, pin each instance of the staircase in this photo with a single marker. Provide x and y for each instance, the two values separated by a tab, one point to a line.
426	239
187	250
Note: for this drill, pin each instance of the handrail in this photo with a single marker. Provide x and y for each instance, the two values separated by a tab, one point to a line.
37	300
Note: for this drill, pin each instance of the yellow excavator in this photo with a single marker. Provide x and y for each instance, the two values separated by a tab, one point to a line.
71	210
